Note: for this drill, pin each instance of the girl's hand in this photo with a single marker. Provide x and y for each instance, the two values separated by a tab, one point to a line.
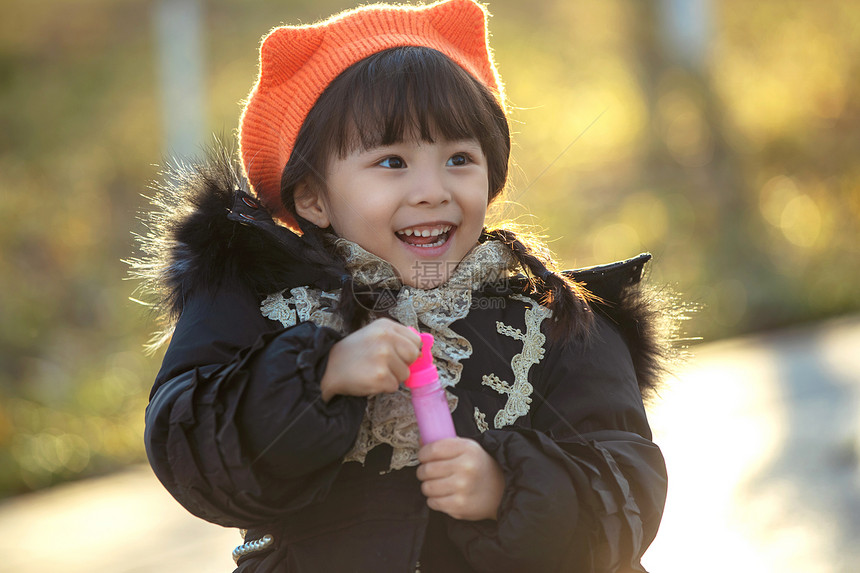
372	360
461	479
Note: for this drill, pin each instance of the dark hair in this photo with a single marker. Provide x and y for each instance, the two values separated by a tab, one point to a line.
392	96
567	299
399	94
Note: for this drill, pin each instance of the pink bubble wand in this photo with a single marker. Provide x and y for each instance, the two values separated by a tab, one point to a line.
428	396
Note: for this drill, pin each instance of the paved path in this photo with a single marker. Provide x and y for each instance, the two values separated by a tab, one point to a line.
760	436
761	441
123	523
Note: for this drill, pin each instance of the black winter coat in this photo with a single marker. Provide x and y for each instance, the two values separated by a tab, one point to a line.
237	432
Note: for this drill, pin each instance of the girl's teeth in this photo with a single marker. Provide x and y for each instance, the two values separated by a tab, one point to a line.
425	232
436	244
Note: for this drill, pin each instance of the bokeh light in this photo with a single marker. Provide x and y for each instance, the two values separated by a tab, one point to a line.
736	167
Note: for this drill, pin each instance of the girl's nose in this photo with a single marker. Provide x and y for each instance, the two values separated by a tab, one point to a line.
430	189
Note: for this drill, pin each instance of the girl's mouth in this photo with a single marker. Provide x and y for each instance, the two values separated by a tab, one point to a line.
426	236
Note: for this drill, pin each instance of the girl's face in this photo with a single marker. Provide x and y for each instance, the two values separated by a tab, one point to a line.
418	205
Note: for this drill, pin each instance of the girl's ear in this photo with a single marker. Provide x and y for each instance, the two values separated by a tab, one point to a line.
310	205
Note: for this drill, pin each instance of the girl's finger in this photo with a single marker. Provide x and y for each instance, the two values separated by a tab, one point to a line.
407	348
393	384
436	470
452	505
445	449
413	335
400	370
436	488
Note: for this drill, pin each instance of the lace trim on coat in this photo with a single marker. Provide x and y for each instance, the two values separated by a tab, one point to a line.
519	393
304	304
389	418
481	420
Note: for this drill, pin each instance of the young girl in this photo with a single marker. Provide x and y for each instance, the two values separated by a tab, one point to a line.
372	145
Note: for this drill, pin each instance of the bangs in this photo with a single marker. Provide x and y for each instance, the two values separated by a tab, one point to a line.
401	94
410	93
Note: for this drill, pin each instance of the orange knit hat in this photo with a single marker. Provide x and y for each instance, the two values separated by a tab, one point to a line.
297	63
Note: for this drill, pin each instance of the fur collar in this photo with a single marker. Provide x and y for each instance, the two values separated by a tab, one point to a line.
205	231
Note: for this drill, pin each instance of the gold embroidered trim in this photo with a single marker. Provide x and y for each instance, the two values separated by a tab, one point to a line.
305	304
276	307
519	393
481	420
496	383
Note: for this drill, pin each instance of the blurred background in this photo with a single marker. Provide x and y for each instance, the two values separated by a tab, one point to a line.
720	135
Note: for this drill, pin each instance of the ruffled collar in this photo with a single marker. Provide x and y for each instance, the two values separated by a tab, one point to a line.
486	262
389	418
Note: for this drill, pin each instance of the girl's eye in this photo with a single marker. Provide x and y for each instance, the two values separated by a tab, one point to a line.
393	162
458	160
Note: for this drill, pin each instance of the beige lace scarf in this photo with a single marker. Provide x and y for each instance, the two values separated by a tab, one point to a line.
389	418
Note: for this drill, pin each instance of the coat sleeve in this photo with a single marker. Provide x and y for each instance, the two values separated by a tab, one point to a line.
585	488
236	429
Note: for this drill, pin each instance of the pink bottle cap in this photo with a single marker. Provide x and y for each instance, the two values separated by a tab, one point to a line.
423	371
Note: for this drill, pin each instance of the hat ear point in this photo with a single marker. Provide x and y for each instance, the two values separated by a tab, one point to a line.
285	50
471	18
468	35
469	10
